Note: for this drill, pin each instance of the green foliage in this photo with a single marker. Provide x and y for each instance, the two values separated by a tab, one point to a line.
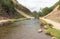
20	19
7	4
53	32
45	11
49	25
50	30
55	5
35	14
40	13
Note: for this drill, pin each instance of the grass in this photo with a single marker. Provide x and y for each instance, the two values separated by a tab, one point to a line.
53	32
20	19
50	31
44	23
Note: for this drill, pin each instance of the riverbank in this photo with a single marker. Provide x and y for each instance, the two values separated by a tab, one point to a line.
16	20
10	21
50	28
56	25
26	29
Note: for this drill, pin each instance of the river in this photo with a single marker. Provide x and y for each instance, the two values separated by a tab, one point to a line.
23	30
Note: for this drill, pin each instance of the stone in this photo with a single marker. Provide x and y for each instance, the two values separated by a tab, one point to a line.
53	37
45	27
39	30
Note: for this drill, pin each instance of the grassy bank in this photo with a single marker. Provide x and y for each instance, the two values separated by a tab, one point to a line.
54	33
44	23
20	19
50	30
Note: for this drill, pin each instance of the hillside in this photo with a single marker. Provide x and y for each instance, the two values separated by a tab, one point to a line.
54	15
56	4
7	9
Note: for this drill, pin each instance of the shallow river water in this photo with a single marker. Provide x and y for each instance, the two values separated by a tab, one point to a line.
23	30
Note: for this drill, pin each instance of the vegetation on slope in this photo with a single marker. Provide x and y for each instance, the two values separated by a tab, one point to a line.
47	10
56	4
8	11
55	13
35	14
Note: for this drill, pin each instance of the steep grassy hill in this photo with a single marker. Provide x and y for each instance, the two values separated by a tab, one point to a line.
56	4
55	14
7	9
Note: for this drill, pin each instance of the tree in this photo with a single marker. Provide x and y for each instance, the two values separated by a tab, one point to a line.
40	13
45	11
35	14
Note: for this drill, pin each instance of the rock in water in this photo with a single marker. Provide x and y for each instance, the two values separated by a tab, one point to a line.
39	30
53	37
